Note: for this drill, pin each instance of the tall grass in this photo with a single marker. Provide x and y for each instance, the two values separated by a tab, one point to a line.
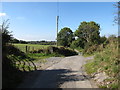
107	61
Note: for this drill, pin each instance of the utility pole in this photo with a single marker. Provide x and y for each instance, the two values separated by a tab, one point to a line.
57	29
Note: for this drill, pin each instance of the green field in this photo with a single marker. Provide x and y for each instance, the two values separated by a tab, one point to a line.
31	47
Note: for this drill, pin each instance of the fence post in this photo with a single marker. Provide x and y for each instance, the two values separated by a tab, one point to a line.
26	49
32	49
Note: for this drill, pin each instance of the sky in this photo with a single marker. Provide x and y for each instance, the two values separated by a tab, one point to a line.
37	20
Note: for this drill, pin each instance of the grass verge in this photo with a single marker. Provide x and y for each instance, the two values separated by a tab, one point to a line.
106	61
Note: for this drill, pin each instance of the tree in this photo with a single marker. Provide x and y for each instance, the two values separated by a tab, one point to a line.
117	17
112	38
14	40
6	38
88	32
103	39
6	35
65	37
23	42
79	43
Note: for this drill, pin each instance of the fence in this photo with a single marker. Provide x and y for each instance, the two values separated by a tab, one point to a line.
27	49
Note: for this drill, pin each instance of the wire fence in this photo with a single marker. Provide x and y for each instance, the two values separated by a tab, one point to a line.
27	49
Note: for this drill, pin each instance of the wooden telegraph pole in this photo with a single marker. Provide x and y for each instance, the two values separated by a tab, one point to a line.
57	29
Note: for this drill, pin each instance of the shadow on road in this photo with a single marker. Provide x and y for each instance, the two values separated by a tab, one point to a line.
46	78
50	78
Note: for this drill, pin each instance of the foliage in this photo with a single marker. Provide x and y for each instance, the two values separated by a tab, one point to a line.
117	16
41	56
108	58
23	42
66	52
90	67
55	51
90	49
32	47
88	32
6	35
10	71
112	38
79	43
65	37
10	55
16	41
103	39
74	44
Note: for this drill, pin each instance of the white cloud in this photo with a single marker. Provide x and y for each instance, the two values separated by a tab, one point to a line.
33	37
2	14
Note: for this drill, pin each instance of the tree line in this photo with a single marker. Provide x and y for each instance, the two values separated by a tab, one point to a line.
43	42
86	35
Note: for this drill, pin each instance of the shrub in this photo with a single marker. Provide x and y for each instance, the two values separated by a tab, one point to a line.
90	49
61	50
106	60
66	52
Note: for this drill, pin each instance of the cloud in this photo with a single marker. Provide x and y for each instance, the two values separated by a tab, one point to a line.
2	14
34	37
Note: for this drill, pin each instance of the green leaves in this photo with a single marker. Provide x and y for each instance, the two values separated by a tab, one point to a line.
87	33
65	37
6	35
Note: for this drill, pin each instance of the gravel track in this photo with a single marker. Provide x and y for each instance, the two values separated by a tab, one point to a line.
60	72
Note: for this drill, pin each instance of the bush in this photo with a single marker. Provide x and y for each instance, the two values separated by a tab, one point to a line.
90	49
65	52
61	50
12	76
75	44
107	60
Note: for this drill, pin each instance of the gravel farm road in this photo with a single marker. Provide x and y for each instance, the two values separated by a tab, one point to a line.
67	72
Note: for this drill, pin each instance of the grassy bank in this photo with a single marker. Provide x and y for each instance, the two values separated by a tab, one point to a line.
39	56
106	61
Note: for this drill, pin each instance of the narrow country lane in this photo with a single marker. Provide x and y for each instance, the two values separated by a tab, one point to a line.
67	73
